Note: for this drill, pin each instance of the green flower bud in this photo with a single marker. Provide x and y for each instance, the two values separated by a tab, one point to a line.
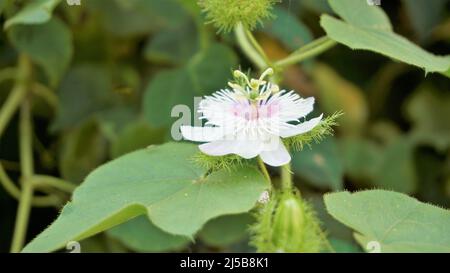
287	224
225	14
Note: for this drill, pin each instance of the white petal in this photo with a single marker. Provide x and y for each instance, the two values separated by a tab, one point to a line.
276	157
301	128
217	148
201	134
291	106
245	149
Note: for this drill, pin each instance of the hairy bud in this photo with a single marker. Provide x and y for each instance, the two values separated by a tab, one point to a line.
287	224
225	14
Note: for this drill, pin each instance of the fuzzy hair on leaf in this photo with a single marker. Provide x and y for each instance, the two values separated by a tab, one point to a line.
322	130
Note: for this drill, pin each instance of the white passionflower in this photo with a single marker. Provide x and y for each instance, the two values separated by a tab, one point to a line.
251	119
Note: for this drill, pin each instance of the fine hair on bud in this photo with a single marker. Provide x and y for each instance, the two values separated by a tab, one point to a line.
287	224
226	14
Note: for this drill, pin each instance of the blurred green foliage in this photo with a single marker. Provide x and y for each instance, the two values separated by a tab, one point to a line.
116	68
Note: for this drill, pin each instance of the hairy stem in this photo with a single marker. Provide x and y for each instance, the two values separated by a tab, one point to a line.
248	48
310	50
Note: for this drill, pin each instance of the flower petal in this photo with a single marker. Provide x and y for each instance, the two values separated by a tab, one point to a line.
217	148
201	134
276	157
290	105
301	128
248	148
243	148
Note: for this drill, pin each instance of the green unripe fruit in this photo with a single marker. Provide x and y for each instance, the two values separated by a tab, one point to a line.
225	14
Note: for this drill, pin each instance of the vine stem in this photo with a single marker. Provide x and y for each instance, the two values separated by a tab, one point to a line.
248	48
263	168
16	96
26	159
312	49
50	181
258	48
14	191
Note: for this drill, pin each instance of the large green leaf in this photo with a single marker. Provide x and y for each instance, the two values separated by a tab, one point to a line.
368	28
359	13
320	165
49	45
139	234
163	182
226	230
206	72
35	12
394	221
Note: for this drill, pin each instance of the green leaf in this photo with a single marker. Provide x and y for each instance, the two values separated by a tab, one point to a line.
367	28
173	46
397	222
83	148
206	72
165	90
359	13
139	234
361	158
427	109
162	182
320	165
316	6
424	15
226	230
396	170
135	136
210	69
287	28
49	45
84	91
36	12
341	246
137	17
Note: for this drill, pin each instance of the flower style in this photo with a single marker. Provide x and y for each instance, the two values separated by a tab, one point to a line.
250	119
